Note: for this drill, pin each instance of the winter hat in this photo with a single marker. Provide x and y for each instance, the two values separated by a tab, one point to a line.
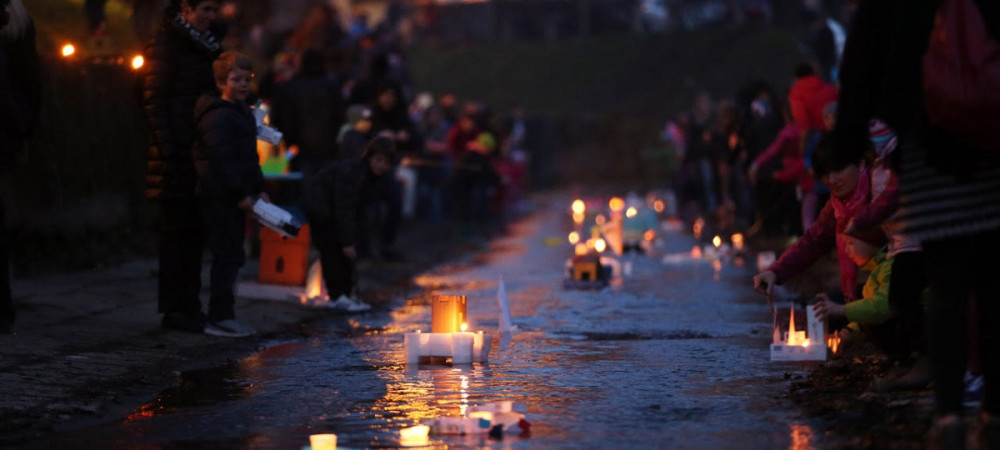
871	236
356	113
882	137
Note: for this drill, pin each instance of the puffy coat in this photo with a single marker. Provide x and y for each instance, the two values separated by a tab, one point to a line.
20	95
178	71
339	193
807	98
225	151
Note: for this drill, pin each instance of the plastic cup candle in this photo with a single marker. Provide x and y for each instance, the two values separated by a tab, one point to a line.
447	313
737	241
326	441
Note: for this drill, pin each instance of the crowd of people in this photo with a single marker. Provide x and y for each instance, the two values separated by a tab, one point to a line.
369	151
896	177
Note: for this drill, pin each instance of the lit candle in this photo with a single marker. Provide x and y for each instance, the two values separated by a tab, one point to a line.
327	441
447	313
737	241
415	431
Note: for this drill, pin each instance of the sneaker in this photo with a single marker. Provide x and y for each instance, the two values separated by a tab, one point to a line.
345	303
973	389
229	328
191	323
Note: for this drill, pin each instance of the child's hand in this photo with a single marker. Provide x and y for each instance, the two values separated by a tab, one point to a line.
827	308
246	204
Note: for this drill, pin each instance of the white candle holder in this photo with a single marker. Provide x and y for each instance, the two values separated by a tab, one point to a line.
462	347
510	416
814	348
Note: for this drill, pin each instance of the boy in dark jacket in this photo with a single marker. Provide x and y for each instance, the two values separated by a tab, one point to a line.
229	180
333	201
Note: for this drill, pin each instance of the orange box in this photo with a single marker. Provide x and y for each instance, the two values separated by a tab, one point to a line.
284	260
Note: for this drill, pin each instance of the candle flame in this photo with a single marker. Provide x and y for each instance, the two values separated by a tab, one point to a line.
649	235
631	212
464	327
68	50
616	204
137	62
658	206
737	241
796	337
600	245
579	207
574	237
699	225
717	241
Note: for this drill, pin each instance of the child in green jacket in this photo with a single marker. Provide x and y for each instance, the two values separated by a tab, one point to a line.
868	317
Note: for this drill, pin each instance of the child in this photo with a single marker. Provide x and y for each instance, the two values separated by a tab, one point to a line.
868	315
353	136
333	200
229	181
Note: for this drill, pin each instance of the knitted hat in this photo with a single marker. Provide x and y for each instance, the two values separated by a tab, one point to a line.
882	137
871	236
357	112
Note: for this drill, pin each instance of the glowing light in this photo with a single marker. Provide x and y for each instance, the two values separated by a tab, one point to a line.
696	252
323	441
699	225
137	62
578	217
600	219
68	50
737	240
574	237
717	241
717	265
659	206
464	327
581	249
600	245
579	207
834	342
631	212
616	204
796	337
649	235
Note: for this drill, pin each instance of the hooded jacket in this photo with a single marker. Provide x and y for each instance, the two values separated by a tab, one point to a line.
178	71
807	98
225	151
337	194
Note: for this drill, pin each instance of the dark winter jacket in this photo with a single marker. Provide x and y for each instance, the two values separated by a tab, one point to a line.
338	193
178	71
20	95
309	110
225	151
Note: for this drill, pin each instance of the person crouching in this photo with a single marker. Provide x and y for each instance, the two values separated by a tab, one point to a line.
333	201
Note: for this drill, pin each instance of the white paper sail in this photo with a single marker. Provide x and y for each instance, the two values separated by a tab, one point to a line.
505	324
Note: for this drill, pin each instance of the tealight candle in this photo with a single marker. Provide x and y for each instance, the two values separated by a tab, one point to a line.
326	441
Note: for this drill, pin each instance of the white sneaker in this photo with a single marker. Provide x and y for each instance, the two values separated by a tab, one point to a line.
345	303
229	328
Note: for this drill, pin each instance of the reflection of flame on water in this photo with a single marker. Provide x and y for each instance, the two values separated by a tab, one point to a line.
717	265
696	252
802	437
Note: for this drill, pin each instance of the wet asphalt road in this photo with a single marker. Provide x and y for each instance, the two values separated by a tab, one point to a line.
675	357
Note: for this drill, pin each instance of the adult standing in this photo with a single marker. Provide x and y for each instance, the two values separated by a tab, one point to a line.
20	101
950	193
180	58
